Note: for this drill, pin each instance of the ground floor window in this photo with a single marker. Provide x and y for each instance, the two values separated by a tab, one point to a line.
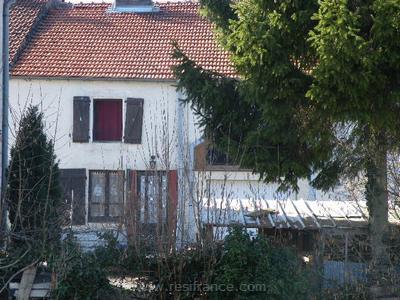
106	195
153	197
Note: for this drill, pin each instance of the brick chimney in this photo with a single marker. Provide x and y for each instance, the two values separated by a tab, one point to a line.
136	6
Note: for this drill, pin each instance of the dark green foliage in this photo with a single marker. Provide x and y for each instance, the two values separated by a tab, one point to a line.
111	254
33	191
240	127
238	268
187	273
358	69
80	276
318	95
265	119
238	262
307	71
219	11
255	270
357	292
124	259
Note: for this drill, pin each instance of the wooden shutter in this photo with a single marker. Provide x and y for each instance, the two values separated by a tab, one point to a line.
133	121
80	132
73	182
172	203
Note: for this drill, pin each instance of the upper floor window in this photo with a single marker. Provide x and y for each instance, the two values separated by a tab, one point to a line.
216	157
209	158
107	125
107	120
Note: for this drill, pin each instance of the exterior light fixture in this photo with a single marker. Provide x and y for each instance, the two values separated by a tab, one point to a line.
153	162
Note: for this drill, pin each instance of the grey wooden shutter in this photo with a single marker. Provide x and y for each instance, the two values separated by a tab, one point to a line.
133	121
80	132
73	182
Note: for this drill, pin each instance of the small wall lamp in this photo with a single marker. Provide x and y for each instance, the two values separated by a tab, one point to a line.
152	162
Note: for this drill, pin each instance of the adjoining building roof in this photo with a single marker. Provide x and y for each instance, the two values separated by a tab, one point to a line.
90	41
292	214
24	15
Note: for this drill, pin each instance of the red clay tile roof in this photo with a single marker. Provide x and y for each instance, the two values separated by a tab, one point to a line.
23	16
89	41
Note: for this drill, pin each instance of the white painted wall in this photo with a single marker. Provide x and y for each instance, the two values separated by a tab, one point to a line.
247	185
170	130
56	100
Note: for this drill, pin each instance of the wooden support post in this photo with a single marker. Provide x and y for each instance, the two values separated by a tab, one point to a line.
346	257
318	263
26	284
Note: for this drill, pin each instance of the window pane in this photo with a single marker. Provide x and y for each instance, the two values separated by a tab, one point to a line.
97	210
98	197
153	195
116	187
142	198
217	158
164	198
107	120
116	210
116	190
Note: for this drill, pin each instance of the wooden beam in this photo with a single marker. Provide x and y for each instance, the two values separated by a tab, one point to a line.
328	214
346	256
26	284
341	229
313	216
299	217
345	215
255	209
318	263
35	286
269	215
243	214
359	209
285	217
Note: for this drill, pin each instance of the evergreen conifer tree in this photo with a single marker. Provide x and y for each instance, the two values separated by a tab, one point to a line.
33	191
318	95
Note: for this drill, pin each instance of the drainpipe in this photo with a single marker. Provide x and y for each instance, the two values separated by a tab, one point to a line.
181	224
186	175
4	95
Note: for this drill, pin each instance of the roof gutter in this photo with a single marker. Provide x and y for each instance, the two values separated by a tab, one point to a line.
86	78
4	100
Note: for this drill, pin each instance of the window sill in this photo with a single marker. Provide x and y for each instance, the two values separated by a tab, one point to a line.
108	220
107	142
94	226
231	168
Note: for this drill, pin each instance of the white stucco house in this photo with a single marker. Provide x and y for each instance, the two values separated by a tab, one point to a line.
128	148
